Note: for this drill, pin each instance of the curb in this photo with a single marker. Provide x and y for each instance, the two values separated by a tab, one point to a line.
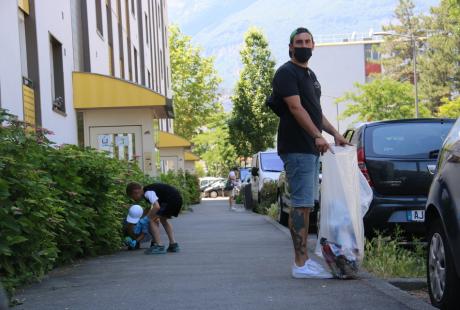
390	289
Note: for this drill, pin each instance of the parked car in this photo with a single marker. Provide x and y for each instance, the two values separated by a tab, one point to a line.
398	159
442	223
215	189
266	167
206	181
244	173
284	204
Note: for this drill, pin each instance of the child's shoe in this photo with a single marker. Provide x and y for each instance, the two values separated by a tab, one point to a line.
173	248
155	249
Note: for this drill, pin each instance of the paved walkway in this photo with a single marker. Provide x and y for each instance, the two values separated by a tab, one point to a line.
229	260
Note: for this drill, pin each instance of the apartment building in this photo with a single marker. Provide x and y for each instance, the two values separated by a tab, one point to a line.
94	72
339	62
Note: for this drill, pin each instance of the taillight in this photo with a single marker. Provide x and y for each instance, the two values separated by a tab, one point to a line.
362	165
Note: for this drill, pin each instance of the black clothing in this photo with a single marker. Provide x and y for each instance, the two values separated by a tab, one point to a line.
290	80
169	199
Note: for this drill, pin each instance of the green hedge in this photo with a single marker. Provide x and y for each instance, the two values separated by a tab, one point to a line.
268	196
58	204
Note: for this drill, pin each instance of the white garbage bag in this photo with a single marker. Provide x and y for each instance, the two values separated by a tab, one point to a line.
345	198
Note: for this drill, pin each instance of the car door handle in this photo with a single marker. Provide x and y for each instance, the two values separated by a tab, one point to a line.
431	169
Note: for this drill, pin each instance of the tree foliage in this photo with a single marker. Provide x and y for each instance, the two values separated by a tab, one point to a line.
440	62
397	49
194	82
382	99
252	124
213	146
449	108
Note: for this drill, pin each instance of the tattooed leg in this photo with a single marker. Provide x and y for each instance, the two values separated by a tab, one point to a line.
298	226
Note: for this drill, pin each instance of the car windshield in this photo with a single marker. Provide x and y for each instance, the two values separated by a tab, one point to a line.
271	162
417	140
243	173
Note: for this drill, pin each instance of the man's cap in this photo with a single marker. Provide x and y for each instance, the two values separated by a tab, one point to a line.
134	214
297	31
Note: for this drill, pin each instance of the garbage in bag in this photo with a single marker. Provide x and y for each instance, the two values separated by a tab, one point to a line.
345	199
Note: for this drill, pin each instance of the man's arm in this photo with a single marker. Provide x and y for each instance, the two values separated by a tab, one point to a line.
304	120
152	214
338	138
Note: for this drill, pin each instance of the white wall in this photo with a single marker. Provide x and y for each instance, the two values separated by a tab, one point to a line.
54	18
98	45
10	61
337	68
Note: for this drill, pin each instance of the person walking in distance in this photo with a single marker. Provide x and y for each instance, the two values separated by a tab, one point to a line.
300	142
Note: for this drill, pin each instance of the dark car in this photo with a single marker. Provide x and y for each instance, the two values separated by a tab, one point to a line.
443	226
284	204
398	159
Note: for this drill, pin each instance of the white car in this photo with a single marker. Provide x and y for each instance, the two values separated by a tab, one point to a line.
266	167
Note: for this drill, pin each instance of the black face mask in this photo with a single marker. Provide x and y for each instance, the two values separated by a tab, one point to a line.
302	54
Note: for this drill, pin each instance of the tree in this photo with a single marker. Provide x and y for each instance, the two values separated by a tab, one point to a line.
398	48
252	124
440	63
449	108
194	82
383	98
213	146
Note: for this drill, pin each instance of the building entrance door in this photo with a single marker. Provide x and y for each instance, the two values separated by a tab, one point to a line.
123	142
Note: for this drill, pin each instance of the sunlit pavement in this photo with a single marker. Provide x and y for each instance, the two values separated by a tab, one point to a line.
229	259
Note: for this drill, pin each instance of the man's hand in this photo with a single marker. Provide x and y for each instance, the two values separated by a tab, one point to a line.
340	140
321	144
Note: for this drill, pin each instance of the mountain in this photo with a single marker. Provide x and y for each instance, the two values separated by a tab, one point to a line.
219	25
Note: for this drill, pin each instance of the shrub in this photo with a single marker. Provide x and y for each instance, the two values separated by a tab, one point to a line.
273	211
268	196
58	204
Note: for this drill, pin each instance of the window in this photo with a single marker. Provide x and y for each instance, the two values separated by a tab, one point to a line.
122	68
111	71
23	44
136	76
409	140
99	17
146	29
149	78
57	75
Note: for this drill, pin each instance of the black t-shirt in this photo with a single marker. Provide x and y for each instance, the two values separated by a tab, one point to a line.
290	80
169	198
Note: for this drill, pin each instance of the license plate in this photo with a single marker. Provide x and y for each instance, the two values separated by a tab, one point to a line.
416	216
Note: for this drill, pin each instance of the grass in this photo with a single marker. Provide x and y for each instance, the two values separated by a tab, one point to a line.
272	211
386	257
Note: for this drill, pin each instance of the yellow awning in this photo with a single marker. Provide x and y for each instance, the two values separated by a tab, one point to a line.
96	91
166	139
190	156
24	6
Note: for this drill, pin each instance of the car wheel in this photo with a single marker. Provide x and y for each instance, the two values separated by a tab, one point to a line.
213	194
443	282
283	217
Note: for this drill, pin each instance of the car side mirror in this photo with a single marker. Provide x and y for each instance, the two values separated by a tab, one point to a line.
255	171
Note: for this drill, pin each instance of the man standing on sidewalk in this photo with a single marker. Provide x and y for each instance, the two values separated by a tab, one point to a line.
300	142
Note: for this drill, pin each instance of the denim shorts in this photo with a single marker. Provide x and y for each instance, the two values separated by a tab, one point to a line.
302	173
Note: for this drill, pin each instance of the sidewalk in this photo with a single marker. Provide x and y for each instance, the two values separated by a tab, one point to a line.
229	260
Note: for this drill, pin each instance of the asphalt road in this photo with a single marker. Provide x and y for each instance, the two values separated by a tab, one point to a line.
229	260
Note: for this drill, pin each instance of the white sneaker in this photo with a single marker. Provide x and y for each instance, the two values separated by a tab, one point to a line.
310	271
314	265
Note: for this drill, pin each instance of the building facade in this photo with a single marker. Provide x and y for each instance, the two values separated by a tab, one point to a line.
94	72
338	65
